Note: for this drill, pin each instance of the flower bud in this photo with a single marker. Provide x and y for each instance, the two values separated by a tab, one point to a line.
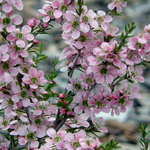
35	41
50	82
61	95
64	103
53	92
63	111
32	22
69	113
45	25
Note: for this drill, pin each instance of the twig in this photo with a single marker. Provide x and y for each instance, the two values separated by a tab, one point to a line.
61	123
57	119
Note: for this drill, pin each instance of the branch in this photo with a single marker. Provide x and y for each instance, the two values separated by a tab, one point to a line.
61	123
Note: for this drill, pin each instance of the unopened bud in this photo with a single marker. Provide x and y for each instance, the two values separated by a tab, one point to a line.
63	111
32	22
35	41
50	82
45	25
64	103
61	95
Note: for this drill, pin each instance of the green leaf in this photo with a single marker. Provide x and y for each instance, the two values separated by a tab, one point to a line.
41	47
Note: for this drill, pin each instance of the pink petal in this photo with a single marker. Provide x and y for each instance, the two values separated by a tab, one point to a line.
46	19
124	4
40	74
3	49
26	102
78	45
66	27
33	86
116	94
17	20
111	6
8	111
8	77
37	112
119	9
26	80
129	62
57	14
129	103
84	27
69	16
80	134
20	43
15	98
11	37
55	4
2	73
108	18
92	61
140	78
117	112
22	118
60	145
75	34
109	78
34	144
91	102
26	29
13	71
100	79
69	137
10	28
135	89
22	141
19	5
33	127
51	132
6	8
78	109
117	62
122	109
29	37
137	95
5	57
23	53
14	132
32	72
94	23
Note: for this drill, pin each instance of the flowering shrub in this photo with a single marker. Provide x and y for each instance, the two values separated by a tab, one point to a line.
36	117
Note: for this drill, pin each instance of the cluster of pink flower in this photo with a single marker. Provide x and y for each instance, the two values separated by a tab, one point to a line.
92	49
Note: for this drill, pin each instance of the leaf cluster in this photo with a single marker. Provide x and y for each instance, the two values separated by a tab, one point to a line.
110	145
38	54
50	78
143	133
124	36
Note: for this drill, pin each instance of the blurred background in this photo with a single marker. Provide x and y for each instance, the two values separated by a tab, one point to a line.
122	128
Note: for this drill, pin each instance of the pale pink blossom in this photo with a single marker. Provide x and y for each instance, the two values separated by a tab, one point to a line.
117	4
34	78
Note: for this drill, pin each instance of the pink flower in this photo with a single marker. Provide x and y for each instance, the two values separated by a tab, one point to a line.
103	17
3	53
22	140
46	12
33	22
34	78
21	38
136	73
109	30
117	4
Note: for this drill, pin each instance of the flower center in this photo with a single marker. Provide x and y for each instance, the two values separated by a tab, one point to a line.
103	71
34	80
